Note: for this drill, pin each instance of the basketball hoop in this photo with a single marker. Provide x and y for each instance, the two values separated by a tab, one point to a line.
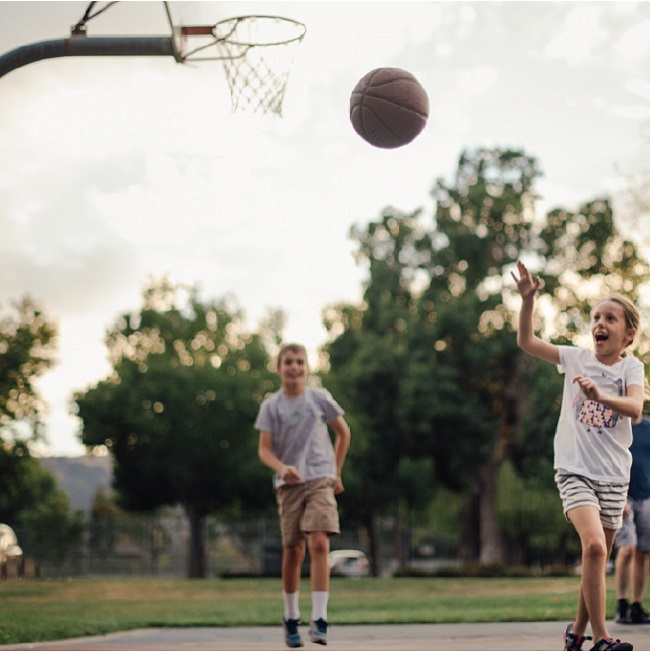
257	54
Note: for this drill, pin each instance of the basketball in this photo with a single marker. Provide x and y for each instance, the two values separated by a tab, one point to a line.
389	107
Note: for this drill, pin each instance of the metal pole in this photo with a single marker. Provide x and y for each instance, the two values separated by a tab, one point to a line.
82	46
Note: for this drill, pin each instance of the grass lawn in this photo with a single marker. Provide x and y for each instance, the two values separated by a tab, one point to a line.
51	609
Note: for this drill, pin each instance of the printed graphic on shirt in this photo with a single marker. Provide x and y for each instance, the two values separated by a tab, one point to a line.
595	415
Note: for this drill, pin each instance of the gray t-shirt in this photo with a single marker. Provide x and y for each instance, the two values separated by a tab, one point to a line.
299	434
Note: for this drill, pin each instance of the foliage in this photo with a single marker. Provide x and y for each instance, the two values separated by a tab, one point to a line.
35	506
27	343
177	412
429	359
31	501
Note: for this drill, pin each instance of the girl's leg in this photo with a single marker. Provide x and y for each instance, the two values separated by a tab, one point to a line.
596	544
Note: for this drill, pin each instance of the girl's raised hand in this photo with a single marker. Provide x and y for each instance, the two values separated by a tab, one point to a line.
526	285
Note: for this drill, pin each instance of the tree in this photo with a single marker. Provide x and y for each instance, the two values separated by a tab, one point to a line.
27	345
35	506
177	412
368	354
430	357
30	499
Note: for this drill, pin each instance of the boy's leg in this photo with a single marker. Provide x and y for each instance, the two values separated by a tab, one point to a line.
638	615
640	568
622	570
320	521
596	544
292	558
293	552
319	547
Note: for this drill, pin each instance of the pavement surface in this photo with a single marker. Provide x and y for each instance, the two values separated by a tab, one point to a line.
474	636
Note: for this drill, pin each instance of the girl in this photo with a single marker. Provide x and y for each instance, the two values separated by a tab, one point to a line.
603	394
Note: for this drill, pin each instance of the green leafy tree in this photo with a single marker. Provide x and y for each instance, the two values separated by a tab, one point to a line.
36	507
368	354
177	412
27	346
30	498
430	357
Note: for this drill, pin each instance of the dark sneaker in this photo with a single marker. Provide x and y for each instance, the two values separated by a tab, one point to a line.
612	644
638	615
318	631
573	642
622	612
291	633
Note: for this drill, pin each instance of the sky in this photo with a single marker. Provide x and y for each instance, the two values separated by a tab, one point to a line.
115	171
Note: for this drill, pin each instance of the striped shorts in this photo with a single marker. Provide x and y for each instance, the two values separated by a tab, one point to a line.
607	497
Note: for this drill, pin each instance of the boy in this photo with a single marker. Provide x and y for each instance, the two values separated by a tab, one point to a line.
295	443
633	539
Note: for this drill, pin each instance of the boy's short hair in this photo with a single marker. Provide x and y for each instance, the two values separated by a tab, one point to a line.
294	348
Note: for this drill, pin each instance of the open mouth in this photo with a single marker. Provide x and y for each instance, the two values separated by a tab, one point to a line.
601	337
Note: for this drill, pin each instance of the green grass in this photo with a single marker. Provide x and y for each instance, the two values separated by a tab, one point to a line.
51	609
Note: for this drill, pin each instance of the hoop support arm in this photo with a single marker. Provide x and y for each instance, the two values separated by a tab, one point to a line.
81	46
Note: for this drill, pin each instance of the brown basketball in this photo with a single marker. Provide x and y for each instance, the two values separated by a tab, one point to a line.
389	107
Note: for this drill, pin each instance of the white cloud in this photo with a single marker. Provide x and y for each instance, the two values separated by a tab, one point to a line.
116	170
476	81
579	35
640	87
633	45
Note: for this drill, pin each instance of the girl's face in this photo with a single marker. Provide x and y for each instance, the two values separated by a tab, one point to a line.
609	329
293	370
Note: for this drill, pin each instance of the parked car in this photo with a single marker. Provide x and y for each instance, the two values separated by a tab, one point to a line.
348	563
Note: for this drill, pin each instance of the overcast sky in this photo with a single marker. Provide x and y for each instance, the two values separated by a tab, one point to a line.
117	170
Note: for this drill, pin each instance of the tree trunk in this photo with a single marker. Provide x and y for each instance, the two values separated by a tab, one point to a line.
402	534
196	567
373	544
470	544
491	541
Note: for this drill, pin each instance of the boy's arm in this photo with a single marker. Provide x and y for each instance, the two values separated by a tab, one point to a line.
288	473
341	446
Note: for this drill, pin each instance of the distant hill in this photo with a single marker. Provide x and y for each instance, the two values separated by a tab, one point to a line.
81	477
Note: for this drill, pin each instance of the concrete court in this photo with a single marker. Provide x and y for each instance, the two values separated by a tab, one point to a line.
475	636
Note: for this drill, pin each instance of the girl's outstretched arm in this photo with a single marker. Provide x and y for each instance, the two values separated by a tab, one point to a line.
526	338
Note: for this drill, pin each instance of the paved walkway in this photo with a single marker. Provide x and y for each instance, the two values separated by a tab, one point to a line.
475	636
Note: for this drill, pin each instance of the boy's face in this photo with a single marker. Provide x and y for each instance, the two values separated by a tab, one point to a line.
293	369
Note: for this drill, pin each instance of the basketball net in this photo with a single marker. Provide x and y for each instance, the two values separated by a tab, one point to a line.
257	54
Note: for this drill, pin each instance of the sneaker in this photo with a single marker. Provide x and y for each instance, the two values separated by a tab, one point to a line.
612	644
318	631
573	642
622	612
291	633
638	615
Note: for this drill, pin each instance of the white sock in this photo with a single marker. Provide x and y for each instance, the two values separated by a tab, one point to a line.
291	608
319	604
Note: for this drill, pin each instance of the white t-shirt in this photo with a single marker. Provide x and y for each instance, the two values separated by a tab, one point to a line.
592	440
299	434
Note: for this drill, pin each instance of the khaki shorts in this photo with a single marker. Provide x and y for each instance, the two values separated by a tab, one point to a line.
307	507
